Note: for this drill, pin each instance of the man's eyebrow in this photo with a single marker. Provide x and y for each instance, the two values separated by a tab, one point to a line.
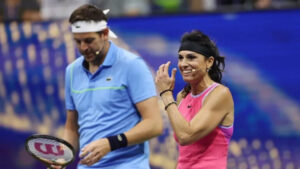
77	39
83	39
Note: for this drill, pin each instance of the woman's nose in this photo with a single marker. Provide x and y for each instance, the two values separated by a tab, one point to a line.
183	62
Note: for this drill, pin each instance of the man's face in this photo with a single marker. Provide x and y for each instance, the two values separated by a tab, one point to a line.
89	44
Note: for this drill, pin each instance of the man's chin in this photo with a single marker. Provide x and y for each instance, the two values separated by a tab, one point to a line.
88	59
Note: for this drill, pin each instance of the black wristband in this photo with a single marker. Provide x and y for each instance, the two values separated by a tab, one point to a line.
167	90
117	141
166	107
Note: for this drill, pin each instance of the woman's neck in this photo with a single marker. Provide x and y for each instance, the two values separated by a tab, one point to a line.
199	87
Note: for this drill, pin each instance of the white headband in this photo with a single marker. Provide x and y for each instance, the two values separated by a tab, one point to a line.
92	26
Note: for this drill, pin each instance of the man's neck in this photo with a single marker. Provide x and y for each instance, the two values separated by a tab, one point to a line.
93	68
94	65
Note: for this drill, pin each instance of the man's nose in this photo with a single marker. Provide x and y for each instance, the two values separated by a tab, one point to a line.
83	46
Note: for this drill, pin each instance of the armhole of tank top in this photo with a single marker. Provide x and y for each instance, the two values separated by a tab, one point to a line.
180	102
211	89
225	132
225	135
225	127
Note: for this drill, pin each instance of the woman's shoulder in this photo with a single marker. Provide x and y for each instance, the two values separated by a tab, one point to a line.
220	94
223	98
222	89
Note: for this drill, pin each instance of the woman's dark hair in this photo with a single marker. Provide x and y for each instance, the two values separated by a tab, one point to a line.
87	13
215	72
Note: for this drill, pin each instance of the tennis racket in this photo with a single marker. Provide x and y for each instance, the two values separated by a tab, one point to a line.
50	150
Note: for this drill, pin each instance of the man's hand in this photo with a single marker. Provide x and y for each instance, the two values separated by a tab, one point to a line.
56	166
94	151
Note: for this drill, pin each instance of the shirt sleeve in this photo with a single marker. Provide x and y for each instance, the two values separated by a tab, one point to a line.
68	97
140	81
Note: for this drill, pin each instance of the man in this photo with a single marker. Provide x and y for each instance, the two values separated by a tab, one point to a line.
111	102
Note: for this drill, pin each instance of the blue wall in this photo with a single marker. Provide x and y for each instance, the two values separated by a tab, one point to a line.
262	55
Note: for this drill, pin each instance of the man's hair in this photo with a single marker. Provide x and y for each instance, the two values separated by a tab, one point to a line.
87	13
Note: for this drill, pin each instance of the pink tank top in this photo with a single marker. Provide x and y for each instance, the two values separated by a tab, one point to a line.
209	152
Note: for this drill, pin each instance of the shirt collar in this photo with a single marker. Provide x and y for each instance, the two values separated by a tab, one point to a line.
111	55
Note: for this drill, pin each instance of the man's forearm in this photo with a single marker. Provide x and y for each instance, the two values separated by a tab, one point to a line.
72	138
144	131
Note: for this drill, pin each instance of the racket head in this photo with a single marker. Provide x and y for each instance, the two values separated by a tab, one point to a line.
50	150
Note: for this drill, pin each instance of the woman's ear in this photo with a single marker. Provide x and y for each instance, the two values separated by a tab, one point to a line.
210	62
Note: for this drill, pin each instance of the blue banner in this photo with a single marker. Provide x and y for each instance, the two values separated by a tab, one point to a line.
262	71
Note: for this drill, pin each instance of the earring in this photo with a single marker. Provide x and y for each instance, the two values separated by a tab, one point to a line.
207	69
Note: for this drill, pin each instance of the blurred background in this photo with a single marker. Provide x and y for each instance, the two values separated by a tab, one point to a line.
260	39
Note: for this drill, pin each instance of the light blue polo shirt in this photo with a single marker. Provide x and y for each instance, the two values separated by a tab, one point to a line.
105	102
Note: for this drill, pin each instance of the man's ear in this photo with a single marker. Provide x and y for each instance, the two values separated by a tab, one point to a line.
106	31
104	34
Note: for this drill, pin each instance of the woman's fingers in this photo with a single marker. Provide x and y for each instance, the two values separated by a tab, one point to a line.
162	79
166	67
163	69
174	70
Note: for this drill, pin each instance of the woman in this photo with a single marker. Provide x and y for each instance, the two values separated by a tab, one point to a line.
203	120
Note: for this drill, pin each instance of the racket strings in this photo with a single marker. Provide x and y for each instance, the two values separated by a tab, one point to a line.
50	151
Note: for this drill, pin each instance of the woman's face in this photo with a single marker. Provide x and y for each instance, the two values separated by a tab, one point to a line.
193	65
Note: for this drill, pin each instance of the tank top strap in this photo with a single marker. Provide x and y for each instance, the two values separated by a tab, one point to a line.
208	90
201	95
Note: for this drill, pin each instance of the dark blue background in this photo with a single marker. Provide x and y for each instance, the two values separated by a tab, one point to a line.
262	71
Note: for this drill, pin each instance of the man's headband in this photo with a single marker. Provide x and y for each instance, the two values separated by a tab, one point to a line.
193	46
92	26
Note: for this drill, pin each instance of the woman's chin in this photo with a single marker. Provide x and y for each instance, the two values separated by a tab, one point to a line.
188	79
